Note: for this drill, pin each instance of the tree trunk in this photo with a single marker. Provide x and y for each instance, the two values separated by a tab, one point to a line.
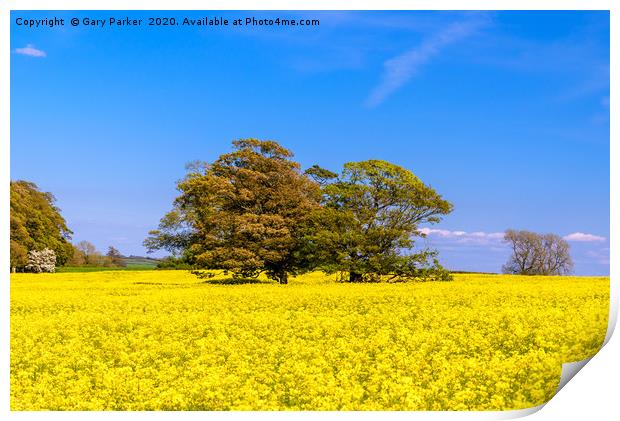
283	277
355	277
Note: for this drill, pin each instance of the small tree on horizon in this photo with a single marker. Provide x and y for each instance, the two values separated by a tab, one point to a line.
537	254
89	252
115	257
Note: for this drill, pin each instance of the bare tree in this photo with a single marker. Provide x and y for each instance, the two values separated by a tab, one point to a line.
88	250
537	254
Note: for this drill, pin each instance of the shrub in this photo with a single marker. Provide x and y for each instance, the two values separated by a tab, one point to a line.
41	261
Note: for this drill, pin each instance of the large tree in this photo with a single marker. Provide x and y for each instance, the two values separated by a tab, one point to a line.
537	254
36	224
370	219
243	213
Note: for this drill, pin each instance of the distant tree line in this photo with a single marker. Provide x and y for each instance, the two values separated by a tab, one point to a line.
254	211
36	224
86	254
40	238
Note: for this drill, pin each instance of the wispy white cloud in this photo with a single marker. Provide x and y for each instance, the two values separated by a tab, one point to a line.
594	83
599	256
30	50
400	69
582	237
476	237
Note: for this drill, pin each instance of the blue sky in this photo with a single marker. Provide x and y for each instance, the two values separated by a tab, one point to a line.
506	114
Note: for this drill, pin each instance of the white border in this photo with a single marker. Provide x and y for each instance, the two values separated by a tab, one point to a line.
575	401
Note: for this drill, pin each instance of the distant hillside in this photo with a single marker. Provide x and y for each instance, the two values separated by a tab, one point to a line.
131	263
140	262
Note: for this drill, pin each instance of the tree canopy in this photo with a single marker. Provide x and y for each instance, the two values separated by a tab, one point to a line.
36	224
243	213
253	211
369	221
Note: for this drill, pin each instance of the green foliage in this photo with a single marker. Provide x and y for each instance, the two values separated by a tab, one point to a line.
320	175
36	224
175	263
243	213
19	253
175	233
253	212
370	217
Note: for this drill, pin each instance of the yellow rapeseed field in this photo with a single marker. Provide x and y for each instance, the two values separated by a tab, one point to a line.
168	340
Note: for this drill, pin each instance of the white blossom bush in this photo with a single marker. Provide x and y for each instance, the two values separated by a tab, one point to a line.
41	261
